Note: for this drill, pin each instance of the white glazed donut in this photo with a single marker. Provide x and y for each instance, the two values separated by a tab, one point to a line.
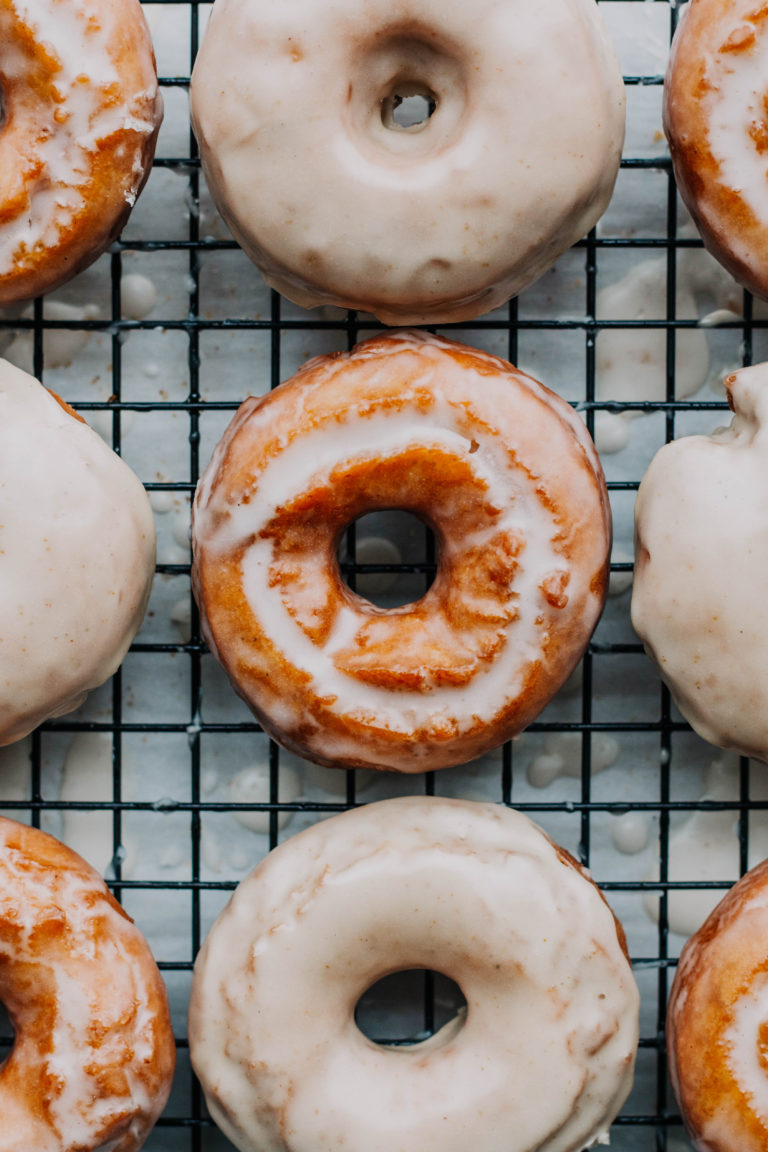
77	554
715	119
80	115
93	1053
504	472
544	1057
701	553
293	109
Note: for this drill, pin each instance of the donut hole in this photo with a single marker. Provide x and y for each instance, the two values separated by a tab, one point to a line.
407	93
409	106
388	558
409	1006
6	1035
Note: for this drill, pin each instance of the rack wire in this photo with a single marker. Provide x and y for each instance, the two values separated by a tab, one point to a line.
214	340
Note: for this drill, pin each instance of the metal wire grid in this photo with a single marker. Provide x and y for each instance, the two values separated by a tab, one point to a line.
185	1124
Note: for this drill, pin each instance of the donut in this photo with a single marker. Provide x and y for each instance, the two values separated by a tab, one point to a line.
81	111
701	551
77	555
543	1058
716	1023
715	121
503	472
93	1053
295	111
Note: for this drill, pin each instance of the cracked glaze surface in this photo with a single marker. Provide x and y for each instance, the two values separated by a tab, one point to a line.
80	114
543	1058
502	470
292	104
93	1054
77	555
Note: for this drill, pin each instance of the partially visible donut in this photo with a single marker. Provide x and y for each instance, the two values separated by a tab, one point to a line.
541	1062
701	553
716	121
504	472
77	556
93	1053
294	107
717	1023
80	111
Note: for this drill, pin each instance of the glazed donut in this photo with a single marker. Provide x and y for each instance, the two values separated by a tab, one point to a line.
77	555
701	553
716	1023
715	120
80	114
543	1058
93	1053
294	110
504	473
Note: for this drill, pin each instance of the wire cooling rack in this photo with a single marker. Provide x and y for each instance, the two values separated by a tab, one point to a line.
160	770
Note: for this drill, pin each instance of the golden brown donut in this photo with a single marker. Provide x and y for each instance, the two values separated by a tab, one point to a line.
93	1053
716	121
717	1023
505	474
81	111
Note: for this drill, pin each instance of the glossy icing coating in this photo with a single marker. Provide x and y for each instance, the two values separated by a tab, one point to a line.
715	96
543	1058
717	1023
77	554
93	1053
80	114
503	471
293	107
701	551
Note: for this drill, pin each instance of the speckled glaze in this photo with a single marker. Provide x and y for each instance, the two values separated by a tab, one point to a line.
77	554
93	1053
715	110
292	107
502	470
80	114
717	1023
541	1061
701	554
